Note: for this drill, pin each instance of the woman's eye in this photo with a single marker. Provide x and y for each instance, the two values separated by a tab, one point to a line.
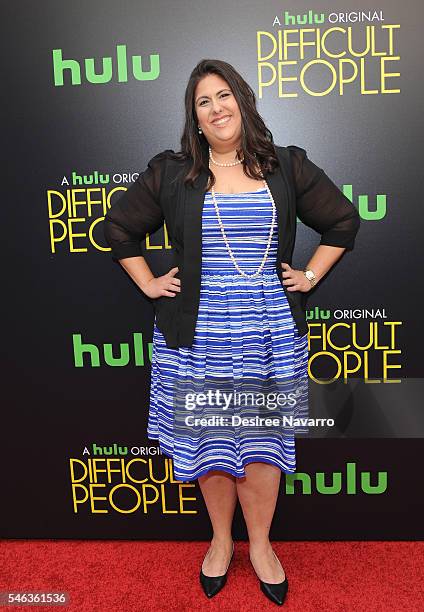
222	95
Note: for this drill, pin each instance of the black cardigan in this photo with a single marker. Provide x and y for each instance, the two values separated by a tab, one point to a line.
299	188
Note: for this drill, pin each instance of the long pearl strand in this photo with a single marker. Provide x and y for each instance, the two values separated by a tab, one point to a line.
230	252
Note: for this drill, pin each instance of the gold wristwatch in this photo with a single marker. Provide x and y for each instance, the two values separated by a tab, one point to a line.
310	276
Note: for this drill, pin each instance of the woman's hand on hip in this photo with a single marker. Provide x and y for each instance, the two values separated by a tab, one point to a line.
295	280
163	285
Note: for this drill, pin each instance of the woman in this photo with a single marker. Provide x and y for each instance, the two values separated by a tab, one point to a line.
235	319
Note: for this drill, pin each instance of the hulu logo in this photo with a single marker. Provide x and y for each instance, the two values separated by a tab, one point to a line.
306	18
90	179
317	314
108	70
370	211
348	482
374	212
95	356
109	450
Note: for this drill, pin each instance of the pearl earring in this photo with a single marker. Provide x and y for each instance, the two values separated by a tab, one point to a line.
200	129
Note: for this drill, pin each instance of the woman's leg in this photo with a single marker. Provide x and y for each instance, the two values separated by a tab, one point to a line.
258	493
220	494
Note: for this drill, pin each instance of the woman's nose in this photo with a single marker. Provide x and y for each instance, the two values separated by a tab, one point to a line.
216	105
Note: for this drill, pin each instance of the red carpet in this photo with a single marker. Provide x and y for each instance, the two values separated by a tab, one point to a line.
123	576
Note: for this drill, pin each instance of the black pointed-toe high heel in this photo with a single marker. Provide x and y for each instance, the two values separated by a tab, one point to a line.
213	584
275	592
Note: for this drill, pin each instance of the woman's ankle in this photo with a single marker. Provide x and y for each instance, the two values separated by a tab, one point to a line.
222	540
260	546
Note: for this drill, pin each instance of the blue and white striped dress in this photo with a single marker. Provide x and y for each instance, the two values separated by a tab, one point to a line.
245	339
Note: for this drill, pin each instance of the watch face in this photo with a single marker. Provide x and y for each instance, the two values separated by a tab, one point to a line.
310	274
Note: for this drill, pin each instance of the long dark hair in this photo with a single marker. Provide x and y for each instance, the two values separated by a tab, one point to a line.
256	138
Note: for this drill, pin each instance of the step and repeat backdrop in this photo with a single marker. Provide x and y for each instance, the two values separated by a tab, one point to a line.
91	92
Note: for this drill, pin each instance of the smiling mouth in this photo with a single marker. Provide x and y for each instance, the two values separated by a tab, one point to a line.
222	121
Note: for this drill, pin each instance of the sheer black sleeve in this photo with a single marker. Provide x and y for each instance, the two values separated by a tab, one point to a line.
136	212
321	205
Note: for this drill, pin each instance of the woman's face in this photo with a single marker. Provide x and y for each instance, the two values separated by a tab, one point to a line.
213	101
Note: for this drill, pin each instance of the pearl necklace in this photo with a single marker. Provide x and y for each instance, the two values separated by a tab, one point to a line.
239	161
230	252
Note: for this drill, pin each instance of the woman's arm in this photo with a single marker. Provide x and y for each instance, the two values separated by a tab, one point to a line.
324	259
320	263
136	213
152	286
321	205
138	269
